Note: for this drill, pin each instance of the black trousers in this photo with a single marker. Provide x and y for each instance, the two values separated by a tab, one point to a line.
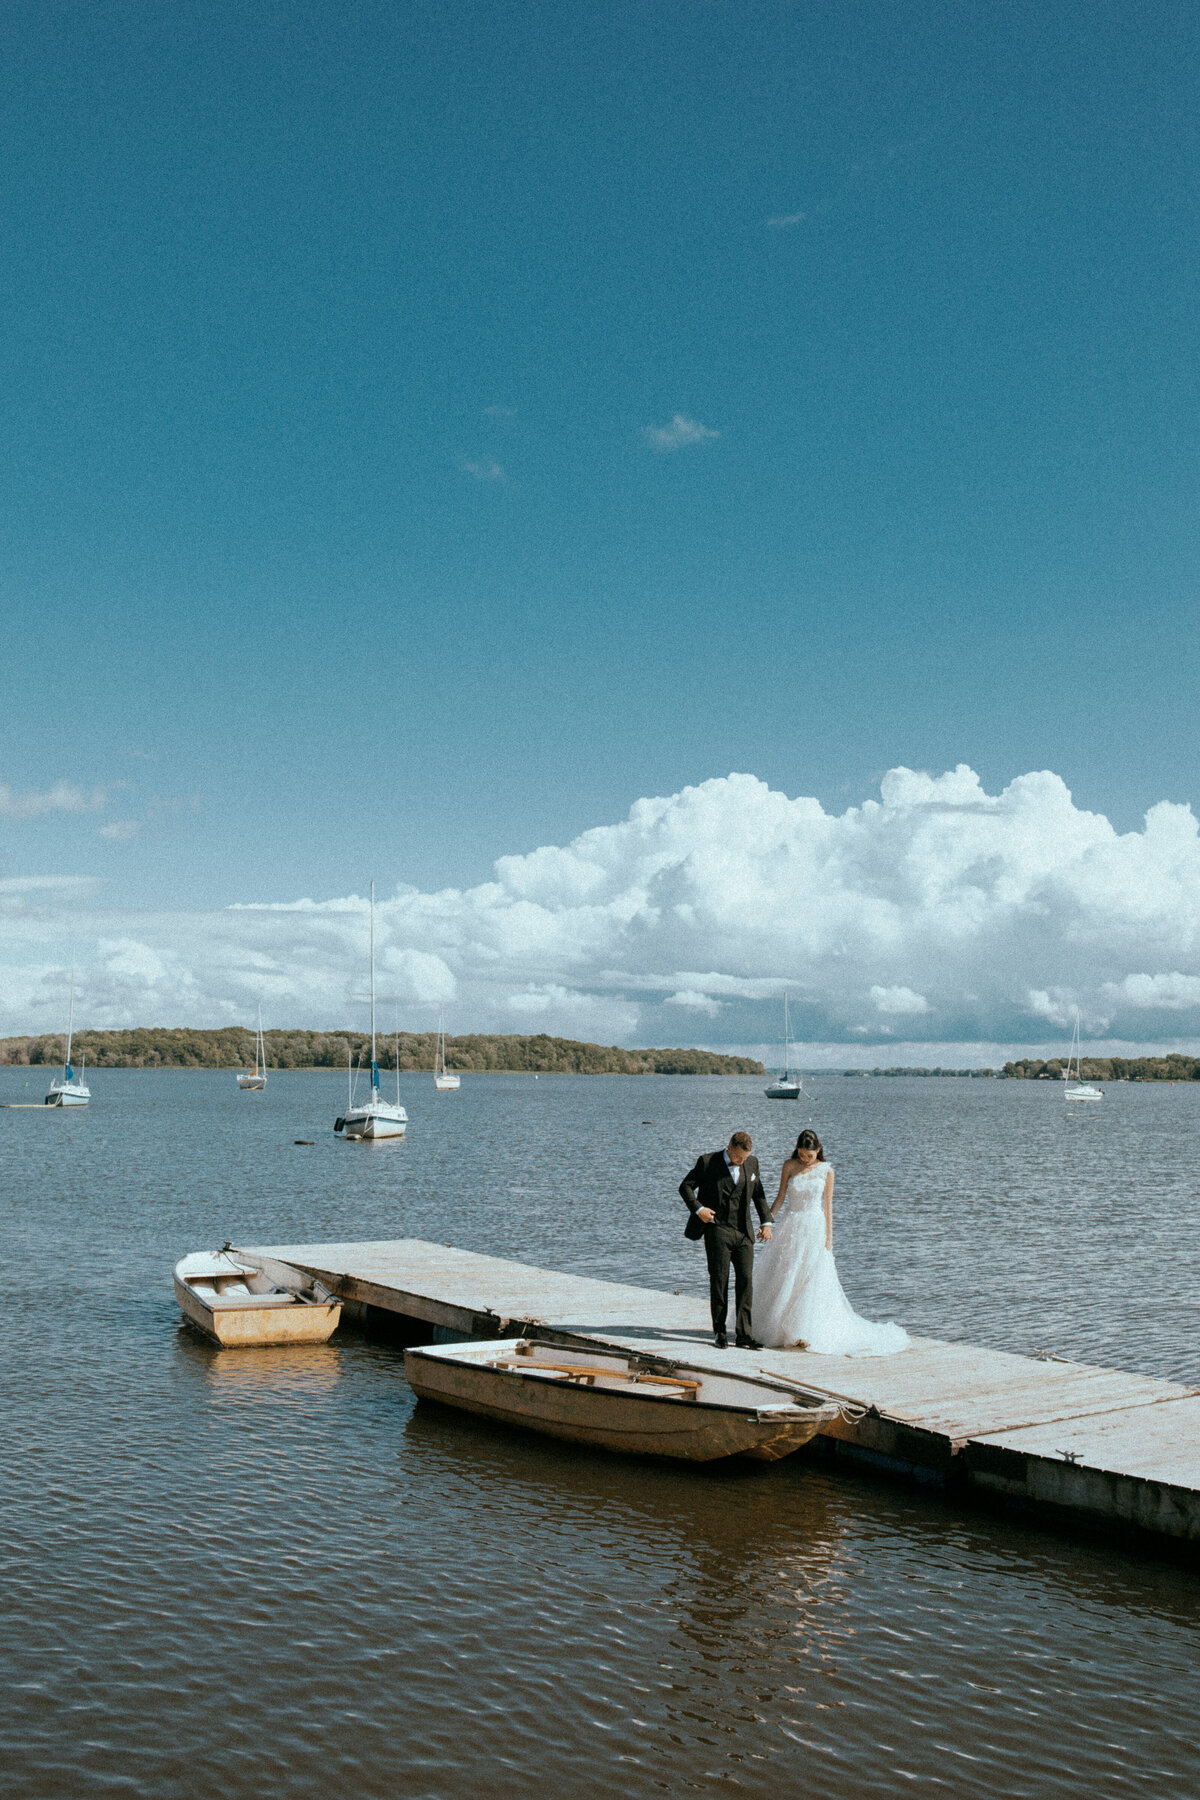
723	1246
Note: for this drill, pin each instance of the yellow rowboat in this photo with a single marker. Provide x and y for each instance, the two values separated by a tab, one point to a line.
617	1400
239	1302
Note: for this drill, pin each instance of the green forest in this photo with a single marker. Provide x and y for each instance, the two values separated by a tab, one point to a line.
233	1048
1109	1068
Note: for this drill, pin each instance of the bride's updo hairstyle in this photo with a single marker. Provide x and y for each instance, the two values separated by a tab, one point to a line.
808	1140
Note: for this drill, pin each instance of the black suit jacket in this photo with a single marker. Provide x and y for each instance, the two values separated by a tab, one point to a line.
709	1184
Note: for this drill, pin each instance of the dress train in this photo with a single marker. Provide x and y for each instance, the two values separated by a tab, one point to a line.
798	1297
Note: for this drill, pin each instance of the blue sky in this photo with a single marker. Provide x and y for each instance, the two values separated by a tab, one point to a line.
335	540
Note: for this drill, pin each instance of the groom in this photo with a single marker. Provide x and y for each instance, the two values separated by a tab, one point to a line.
718	1193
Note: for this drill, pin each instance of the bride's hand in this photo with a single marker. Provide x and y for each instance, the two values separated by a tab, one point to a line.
764	1234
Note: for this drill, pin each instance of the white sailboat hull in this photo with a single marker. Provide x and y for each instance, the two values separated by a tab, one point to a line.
446	1084
68	1093
251	1083
375	1121
783	1090
1084	1093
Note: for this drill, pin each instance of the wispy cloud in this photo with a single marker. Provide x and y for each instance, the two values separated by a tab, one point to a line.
679	433
64	796
485	470
74	885
862	175
499	412
120	830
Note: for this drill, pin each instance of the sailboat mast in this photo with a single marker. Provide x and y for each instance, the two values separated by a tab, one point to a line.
374	1064
70	1019
787	1047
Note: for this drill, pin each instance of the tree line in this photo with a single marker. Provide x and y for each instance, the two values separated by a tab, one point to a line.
231	1047
1109	1068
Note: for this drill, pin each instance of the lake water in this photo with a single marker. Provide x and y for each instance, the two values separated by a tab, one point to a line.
263	1573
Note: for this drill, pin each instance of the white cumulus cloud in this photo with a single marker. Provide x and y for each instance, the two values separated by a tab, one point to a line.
966	915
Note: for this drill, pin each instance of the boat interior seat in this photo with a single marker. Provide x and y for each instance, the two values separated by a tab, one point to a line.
236	1295
221	1302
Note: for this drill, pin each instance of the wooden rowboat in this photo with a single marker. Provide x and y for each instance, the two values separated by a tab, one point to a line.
239	1302
617	1400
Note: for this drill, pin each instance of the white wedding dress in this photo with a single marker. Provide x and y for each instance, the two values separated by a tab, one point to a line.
797	1295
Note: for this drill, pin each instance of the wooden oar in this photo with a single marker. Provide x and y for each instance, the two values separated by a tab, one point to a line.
582	1372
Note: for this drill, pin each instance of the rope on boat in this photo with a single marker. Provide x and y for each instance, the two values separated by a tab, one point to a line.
309	1297
849	1411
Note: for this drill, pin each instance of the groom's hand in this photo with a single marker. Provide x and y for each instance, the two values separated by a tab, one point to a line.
764	1234
705	1214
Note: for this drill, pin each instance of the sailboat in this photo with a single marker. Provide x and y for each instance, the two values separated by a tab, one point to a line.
444	1079
250	1082
1078	1088
376	1118
72	1089
787	1085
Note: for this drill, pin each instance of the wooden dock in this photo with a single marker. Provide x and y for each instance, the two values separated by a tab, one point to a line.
1061	1441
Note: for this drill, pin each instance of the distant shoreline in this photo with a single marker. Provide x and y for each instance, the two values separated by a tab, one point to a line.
232	1047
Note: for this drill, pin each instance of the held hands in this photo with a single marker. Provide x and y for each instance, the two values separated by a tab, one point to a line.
764	1233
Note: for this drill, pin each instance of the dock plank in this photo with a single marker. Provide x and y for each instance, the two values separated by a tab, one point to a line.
1155	1443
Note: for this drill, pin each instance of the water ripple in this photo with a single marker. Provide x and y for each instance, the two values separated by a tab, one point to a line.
241	1573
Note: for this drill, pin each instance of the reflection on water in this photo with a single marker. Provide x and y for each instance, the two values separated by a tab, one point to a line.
276	1373
338	1591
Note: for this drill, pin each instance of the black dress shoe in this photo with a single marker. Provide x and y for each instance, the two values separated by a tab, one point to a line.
721	1341
748	1344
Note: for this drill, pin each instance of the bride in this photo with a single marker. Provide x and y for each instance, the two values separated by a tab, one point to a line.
798	1299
